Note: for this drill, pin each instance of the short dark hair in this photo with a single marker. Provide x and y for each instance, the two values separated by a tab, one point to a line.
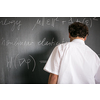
78	29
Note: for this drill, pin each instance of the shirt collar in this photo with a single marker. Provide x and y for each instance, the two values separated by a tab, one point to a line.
78	41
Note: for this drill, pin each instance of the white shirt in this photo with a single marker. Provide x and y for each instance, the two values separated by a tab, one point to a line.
74	63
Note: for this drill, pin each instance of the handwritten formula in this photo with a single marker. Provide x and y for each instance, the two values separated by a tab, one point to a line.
11	62
17	24
53	21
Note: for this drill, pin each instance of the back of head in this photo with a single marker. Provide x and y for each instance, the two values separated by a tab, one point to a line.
78	29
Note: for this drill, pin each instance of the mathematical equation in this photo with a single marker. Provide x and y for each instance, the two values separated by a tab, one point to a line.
87	21
12	62
47	21
53	21
17	62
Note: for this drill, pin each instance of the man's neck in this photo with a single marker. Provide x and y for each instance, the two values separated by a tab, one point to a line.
72	38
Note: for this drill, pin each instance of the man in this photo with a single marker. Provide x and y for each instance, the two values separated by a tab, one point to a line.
74	62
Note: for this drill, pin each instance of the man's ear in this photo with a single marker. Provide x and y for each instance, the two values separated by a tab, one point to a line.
69	35
85	38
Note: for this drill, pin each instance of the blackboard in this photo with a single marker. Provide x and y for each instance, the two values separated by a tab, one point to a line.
27	42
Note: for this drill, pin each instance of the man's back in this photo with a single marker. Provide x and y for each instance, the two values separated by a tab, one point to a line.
79	63
74	62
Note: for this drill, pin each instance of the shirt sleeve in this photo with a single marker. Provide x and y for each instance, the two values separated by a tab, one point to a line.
97	76
53	63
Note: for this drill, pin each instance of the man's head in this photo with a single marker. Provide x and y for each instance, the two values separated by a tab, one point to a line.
78	30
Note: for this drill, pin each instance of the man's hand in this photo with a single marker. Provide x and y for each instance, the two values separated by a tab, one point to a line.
53	79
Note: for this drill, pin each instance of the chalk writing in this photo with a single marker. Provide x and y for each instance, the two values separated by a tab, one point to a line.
11	62
95	19
44	21
63	22
44	42
52	22
87	21
17	42
13	22
70	21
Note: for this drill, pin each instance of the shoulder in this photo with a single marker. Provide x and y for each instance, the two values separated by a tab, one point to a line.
62	46
91	50
59	49
93	53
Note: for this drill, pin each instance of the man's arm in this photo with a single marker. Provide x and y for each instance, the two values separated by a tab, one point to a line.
53	79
